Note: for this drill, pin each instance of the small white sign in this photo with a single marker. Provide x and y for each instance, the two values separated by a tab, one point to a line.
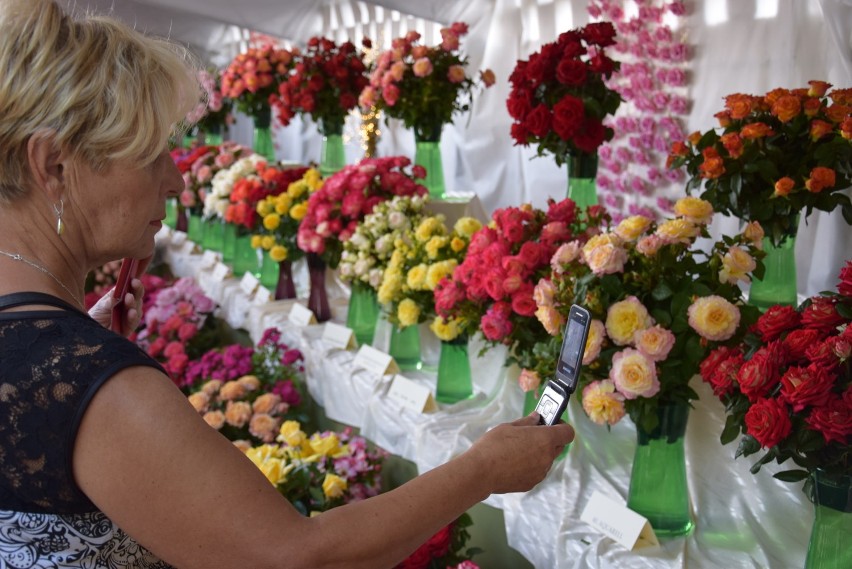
209	259
618	522
178	239
249	283
411	395
221	271
261	296
338	336
301	316
374	361
188	247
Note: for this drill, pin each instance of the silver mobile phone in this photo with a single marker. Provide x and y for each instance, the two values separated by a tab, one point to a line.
554	400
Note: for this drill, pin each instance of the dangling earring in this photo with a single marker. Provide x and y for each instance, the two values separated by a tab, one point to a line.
58	210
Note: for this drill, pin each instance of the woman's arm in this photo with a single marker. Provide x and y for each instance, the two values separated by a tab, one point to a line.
147	459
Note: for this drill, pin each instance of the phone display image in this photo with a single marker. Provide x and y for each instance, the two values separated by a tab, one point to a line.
573	346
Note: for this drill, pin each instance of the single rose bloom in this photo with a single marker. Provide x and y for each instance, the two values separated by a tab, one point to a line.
634	374
777	320
713	317
604	254
263	426
733	143
756	130
529	380
422	67
250	382
594	342
754	233
761	374
787	107
806	386
632	227
694	209
677	231
551	319
237	413
655	342
820	179
833	420
231	390
215	419
602	403
736	264
199	401
266	403
768	421
625	318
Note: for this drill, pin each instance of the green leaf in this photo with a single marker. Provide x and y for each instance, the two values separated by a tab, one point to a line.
662	291
731	430
755	468
844	310
791	475
748	445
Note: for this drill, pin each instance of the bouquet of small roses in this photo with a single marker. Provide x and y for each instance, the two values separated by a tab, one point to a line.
423	86
446	549
559	98
787	386
198	174
280	216
659	306
100	281
338	463
324	83
335	210
214	113
251	80
266	181
492	289
778	155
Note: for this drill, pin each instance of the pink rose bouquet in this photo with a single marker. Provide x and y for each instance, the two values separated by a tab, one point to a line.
659	306
198	175
213	114
787	386
251	79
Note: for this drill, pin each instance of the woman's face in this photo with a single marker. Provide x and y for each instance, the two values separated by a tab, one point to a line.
121	209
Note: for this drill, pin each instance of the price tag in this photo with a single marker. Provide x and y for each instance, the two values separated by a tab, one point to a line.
221	271
178	238
209	259
374	361
249	283
618	522
411	395
301	316
261	296
188	247
338	336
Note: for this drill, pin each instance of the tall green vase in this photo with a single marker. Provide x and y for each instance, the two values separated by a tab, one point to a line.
229	243
427	153
213	135
658	485
778	285
263	134
214	235
245	257
454	378
171	212
830	546
363	313
582	170
332	154
195	229
405	347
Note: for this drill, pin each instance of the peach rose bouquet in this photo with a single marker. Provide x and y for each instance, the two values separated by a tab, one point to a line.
658	303
777	156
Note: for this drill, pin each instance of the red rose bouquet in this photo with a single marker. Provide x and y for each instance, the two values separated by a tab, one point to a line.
559	98
787	386
446	549
778	154
335	210
325	82
423	86
251	80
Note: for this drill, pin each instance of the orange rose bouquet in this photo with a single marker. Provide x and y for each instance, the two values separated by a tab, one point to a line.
658	304
251	80
777	155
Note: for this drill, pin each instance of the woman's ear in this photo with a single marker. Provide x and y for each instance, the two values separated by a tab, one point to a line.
47	163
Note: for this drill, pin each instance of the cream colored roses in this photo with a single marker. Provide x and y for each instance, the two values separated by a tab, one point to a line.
625	318
714	318
634	374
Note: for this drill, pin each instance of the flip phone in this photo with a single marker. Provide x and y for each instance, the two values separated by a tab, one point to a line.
122	285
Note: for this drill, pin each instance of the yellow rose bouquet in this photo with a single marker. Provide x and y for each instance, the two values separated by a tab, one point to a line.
659	306
322	471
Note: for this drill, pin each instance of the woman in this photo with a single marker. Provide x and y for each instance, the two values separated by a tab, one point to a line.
93	436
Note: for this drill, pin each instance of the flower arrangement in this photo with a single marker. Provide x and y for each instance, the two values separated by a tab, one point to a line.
335	210
216	201
223	363
423	86
659	305
779	154
325	82
492	289
446	549
251	80
559	99
100	281
214	113
198	173
787	386
280	216
339	463
248	192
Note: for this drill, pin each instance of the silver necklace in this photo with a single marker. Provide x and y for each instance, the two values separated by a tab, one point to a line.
36	266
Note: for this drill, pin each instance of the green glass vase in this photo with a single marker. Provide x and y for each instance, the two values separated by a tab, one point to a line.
830	546
363	313
213	135
229	243
245	257
171	212
405	347
582	170
658	486
454	379
778	285
214	234
530	401
332	154
427	153
195	228
263	135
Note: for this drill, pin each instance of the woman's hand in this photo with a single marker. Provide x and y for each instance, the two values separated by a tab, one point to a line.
101	312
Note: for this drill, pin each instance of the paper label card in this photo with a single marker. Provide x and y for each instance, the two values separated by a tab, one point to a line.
375	361
221	271
178	238
209	259
301	316
411	395
618	522
338	336
249	283
262	296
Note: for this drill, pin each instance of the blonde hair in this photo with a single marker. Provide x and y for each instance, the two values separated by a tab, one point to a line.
107	92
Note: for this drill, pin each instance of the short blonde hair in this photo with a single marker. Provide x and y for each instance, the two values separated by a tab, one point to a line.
108	92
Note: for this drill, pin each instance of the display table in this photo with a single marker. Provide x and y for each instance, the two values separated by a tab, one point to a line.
742	520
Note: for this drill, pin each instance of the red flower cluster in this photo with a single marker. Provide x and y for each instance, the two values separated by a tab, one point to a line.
247	192
325	83
346	197
253	77
559	99
437	546
798	380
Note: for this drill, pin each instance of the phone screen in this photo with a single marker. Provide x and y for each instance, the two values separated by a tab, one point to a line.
573	346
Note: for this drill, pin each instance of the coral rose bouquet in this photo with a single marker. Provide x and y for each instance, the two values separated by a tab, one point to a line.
424	86
777	155
322	471
325	82
251	79
559	97
335	210
787	386
214	113
659	306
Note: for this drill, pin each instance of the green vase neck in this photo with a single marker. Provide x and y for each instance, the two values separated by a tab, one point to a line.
330	127
263	118
428	132
583	165
263	143
831	491
332	155
672	419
